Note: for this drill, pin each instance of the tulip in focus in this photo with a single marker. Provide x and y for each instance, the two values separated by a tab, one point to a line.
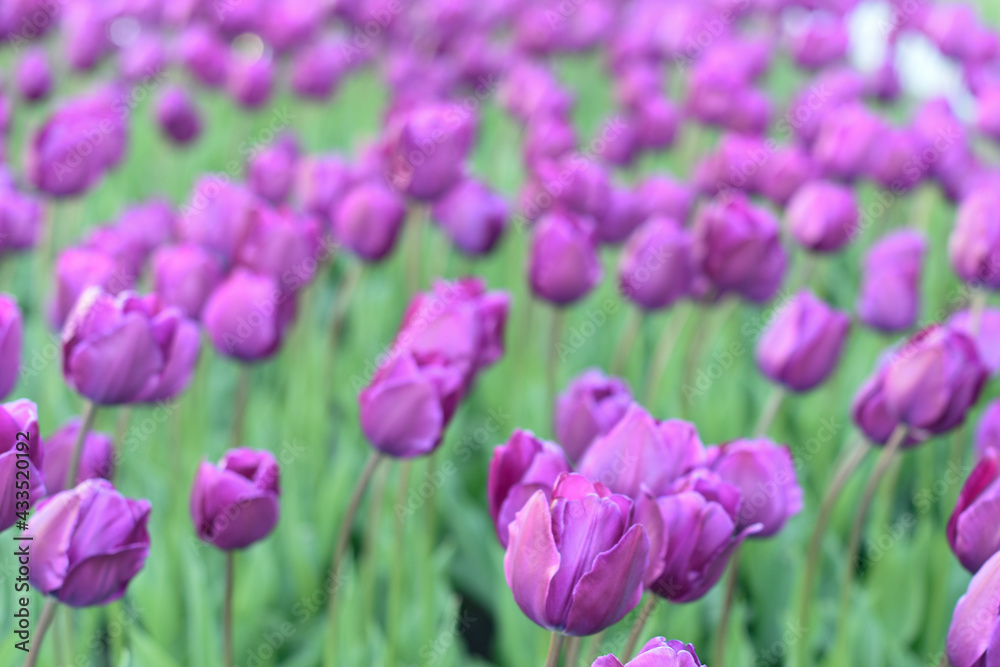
590	407
658	652
97	542
972	529
975	626
17	418
235	503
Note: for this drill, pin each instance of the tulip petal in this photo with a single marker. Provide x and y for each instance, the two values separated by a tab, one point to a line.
101	579
52	527
975	619
532	559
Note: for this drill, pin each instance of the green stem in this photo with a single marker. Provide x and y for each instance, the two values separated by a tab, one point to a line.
48	612
722	629
89	413
227	612
662	354
626	341
640	623
573	645
767	416
555	331
555	648
240	406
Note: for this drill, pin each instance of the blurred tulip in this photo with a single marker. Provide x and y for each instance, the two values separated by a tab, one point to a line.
640	454
656	266
247	317
472	215
428	146
250	81
284	245
19	440
548	138
765	475
658	652
317	68
97	542
128	349
589	408
271	170
738	248
235	503
563	265
97	457
897	164
79	268
323	181
218	215
656	121
788	170
576	564
205	55
972	531
663	196
20	221
889	298
987	331
178	116
34	76
975	626
11	339
626	211
823	216
519	468
823	41
988	433
802	344
144	59
845	140
974	245
184	276
368	220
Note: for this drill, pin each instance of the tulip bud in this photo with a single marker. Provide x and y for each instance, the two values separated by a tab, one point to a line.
802	344
974	246
665	197
659	652
765	475
590	407
700	516
975	626
656	121
235	503
20	221
143	59
972	531
548	138
321	184
738	248
271	171
128	349
576	564
184	276
204	55
788	170
283	245
34	76
178	116
98	542
988	433
823	216
428	147
897	164
519	468
639	453
368	220
11	338
251	82
19	441
97	457
218	216
889	298
247	316
845	141
563	265
656	265
823	41
472	215
626	211
316	69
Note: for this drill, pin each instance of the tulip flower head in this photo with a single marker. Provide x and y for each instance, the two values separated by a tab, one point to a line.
18	418
658	652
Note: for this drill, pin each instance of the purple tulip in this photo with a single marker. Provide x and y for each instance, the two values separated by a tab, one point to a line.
974	246
546	139
988	433
95	540
658	652
738	247
956	31
734	165
784	173
988	111
656	121
519	468
184	276
247	316
143	59
178	116
823	216
76	270
322	183
625	212
27	19
317	68
945	137
576	564
11	339
870	412
987	332
428	146
20	220
218	216
583	188
823	42
845	141
128	349
640	454
529	89
472	215
251	82
802	344
368	220
656	266
18	418
34	76
897	163
765	475
205	55
284	245
590	407
975	626
701	515
235	503
663	196
97	457
85	35
889	298
271	171
972	528
563	265
821	98
147	226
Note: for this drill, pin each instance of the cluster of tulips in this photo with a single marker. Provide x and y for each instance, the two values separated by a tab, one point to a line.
621	504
